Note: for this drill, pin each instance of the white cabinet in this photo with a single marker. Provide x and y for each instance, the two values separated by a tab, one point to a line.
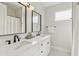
32	51
42	48
45	47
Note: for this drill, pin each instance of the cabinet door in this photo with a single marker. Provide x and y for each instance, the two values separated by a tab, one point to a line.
45	47
35	50
32	51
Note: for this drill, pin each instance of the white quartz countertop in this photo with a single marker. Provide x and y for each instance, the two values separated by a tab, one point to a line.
18	47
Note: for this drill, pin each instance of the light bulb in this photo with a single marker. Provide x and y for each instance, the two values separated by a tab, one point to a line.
25	3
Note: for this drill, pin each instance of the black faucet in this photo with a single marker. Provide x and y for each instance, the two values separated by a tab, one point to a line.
16	37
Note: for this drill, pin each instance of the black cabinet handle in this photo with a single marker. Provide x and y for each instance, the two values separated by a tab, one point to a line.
41	44
41	51
47	42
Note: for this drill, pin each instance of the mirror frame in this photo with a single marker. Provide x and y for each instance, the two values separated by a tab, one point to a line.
25	21
32	21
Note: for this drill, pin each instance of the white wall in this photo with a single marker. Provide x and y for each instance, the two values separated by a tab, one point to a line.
50	17
50	12
29	12
75	47
77	10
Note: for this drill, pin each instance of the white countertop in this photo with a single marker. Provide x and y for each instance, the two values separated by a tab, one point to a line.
22	45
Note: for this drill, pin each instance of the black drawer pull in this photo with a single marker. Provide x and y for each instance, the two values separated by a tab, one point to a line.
41	44
41	51
47	42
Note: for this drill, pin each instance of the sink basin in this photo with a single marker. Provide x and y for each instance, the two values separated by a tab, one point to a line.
21	44
13	49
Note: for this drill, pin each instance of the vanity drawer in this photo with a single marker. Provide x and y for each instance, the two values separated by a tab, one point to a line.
45	47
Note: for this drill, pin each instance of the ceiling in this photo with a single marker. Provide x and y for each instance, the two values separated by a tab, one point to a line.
46	4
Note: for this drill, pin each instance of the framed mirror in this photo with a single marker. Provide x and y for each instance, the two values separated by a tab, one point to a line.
12	18
36	22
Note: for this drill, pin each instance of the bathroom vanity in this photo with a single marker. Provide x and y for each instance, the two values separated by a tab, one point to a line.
37	46
13	22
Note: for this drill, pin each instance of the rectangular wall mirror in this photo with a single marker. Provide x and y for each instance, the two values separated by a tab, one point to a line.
36	22
12	18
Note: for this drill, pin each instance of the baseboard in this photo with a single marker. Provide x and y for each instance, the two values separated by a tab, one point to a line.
61	49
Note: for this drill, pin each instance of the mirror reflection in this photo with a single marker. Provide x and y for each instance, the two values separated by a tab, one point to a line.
36	22
12	18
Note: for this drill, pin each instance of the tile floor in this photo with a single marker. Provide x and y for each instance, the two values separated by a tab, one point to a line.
54	52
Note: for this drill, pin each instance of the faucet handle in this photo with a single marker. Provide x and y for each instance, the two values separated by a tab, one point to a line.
19	38
9	42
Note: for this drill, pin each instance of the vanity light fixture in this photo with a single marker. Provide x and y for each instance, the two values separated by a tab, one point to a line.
28	5
25	3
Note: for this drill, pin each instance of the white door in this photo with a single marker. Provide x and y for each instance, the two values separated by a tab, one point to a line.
63	34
